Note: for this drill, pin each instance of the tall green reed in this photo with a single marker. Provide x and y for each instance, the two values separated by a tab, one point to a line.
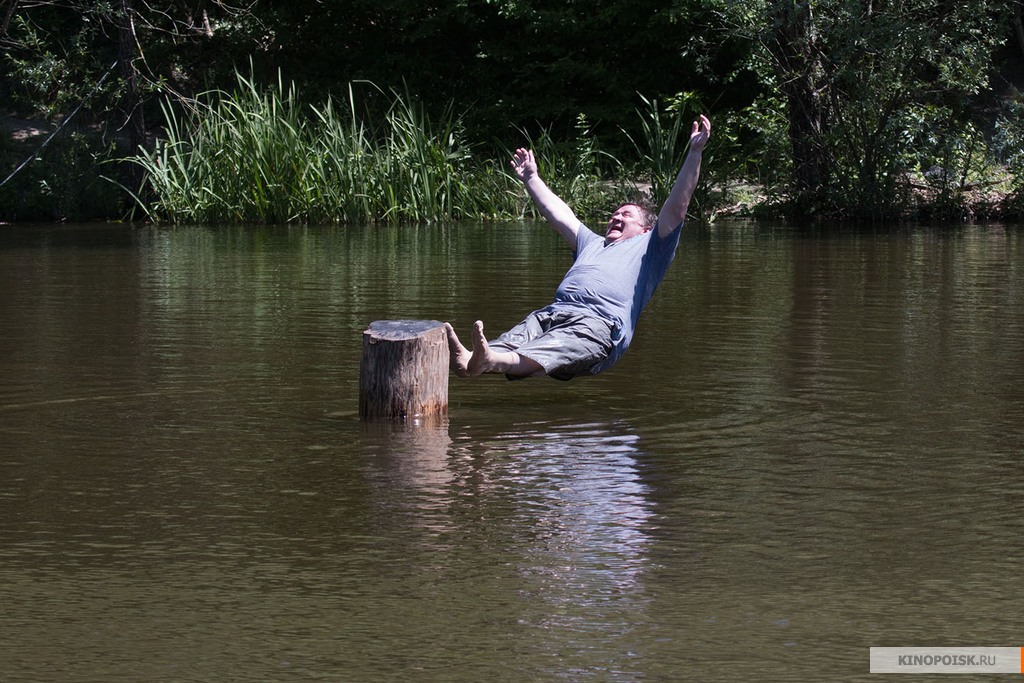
664	142
237	157
574	169
420	169
259	156
662	145
340	172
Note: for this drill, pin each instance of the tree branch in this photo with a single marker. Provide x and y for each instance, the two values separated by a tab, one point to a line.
14	4
1018	24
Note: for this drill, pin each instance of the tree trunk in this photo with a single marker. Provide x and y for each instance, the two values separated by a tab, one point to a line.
1018	25
8	15
404	370
127	53
793	50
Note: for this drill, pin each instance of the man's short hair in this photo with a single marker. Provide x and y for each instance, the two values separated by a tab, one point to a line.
648	215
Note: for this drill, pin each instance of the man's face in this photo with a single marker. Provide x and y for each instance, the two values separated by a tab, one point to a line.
626	222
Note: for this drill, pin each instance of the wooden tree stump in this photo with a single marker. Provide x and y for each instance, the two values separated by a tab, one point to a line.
404	370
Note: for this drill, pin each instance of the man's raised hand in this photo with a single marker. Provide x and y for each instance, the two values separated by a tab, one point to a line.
700	133
523	164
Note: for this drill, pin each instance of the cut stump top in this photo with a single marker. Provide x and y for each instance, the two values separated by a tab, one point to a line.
400	330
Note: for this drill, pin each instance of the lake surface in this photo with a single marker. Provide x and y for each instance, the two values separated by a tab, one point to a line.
813	447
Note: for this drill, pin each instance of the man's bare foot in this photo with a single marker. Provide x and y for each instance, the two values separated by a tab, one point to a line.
467	363
460	355
480	360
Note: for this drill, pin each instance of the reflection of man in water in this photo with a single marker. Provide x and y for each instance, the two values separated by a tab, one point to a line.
590	324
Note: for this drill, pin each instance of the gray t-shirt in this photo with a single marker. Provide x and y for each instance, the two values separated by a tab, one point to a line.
616	281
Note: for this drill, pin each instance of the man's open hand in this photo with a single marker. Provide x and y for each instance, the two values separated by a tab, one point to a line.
523	164
700	133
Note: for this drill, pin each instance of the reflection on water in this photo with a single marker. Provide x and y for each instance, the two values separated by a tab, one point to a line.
812	447
536	535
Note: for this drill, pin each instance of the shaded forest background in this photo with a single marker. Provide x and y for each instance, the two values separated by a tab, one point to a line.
860	109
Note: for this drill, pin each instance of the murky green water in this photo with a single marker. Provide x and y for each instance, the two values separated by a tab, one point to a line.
814	446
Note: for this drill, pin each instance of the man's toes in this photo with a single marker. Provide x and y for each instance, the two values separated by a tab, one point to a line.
478	361
453	339
478	334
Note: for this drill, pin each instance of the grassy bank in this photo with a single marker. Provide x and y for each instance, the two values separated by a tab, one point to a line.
261	156
253	156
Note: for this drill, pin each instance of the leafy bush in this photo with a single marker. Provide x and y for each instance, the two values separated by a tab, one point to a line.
64	181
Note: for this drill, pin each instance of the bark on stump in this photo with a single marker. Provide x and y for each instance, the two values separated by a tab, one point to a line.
404	370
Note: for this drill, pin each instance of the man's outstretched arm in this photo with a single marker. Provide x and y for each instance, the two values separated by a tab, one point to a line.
674	209
557	212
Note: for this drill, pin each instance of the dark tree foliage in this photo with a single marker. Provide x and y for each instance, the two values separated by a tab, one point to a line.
844	98
505	63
